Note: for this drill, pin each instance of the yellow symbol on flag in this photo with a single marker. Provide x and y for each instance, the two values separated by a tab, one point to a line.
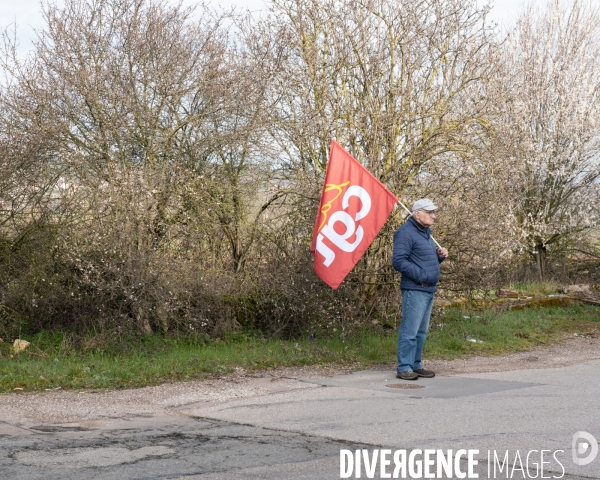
325	208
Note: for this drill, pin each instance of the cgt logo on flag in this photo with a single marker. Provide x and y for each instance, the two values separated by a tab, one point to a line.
354	206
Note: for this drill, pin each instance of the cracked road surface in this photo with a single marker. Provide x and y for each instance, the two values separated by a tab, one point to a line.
157	448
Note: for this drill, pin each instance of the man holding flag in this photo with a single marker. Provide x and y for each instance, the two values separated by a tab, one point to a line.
417	259
354	206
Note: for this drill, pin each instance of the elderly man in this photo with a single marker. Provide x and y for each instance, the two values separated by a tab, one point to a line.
417	259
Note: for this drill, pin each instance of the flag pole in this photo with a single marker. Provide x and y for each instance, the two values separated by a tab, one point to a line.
410	213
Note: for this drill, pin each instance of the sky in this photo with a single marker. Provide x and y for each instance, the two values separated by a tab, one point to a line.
26	14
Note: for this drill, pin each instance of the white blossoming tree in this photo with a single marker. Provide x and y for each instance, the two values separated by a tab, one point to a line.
548	124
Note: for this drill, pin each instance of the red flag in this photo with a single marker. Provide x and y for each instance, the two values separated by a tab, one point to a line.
354	206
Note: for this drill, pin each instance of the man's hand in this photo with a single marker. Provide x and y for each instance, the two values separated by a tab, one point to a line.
442	252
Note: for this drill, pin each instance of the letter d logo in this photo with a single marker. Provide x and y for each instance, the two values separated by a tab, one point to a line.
582	441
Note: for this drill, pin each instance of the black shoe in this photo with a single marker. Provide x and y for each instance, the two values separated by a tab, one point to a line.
407	375
421	372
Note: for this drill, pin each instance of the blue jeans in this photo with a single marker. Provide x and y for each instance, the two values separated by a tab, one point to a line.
416	310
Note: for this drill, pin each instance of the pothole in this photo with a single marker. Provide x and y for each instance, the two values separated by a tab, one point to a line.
404	386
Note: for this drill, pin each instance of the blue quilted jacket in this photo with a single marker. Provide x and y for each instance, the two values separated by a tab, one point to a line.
415	257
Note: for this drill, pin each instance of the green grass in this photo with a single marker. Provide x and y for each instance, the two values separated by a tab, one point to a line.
539	288
60	362
501	332
152	359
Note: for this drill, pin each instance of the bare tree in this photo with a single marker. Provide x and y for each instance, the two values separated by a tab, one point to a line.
242	156
124	95
399	84
396	82
153	115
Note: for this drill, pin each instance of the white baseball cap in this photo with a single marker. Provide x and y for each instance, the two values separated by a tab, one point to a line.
424	204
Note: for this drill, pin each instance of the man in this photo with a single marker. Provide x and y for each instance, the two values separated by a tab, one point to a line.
417	259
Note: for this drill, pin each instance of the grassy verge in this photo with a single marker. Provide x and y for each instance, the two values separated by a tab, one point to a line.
493	333
53	362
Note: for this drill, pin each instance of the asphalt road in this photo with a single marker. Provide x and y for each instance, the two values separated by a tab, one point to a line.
160	448
298	433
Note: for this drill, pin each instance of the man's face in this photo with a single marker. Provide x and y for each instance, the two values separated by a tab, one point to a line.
425	218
